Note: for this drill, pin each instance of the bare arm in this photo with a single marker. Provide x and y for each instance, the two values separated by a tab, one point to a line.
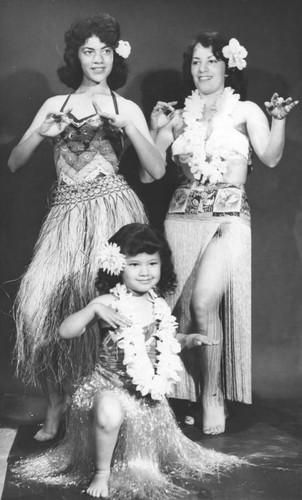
48	122
132	120
161	125
99	308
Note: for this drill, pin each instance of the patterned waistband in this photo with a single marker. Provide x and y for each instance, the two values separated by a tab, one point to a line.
215	200
71	194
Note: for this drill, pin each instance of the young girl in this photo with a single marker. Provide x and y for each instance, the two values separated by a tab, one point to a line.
134	446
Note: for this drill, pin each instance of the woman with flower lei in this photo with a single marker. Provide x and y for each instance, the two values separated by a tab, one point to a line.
208	223
90	203
119	417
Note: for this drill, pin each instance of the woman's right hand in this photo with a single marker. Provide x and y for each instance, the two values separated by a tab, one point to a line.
54	123
162	114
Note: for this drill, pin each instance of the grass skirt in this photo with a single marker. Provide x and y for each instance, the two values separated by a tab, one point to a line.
61	276
189	235
152	455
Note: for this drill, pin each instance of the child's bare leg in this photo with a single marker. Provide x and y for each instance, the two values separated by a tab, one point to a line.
209	287
108	418
56	406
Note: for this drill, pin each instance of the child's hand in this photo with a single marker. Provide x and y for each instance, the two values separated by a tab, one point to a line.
197	339
110	316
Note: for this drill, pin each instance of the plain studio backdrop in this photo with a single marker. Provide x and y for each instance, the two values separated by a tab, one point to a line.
31	47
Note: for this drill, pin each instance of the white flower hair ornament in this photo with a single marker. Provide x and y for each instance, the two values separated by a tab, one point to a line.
235	53
110	259
123	49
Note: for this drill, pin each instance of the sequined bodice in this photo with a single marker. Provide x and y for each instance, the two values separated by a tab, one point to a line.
112	357
86	149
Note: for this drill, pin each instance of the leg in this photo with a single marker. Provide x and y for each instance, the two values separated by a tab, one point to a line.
108	418
209	287
56	406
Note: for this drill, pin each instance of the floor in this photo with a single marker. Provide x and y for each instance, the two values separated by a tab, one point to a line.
267	433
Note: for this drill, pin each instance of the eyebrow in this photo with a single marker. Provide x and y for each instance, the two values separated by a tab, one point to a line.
93	48
199	58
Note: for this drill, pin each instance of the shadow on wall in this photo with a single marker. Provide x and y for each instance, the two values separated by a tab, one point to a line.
161	85
276	202
23	196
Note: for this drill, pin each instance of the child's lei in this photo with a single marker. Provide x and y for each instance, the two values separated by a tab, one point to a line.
155	380
205	157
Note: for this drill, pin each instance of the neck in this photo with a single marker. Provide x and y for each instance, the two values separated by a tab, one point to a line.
211	99
139	295
91	88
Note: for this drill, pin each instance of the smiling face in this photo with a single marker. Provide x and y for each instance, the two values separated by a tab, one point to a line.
96	59
141	272
207	71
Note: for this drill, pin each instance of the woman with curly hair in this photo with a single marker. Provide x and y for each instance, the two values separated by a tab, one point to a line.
208	221
90	203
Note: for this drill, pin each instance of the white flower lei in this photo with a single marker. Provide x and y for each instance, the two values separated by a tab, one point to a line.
206	158
158	380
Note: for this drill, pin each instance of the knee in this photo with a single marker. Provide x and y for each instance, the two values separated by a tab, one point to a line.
203	307
108	412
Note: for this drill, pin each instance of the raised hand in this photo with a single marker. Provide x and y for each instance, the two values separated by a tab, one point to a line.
54	123
162	114
278	107
118	121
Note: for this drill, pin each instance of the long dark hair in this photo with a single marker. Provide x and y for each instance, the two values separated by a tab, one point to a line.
107	29
234	76
138	238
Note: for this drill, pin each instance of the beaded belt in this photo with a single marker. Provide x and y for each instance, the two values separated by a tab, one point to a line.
217	200
71	194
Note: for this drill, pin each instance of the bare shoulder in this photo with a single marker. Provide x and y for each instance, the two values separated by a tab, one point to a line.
163	303
126	105
249	108
55	103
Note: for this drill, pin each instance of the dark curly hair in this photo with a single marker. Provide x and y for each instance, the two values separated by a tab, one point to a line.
107	29
138	238
234	76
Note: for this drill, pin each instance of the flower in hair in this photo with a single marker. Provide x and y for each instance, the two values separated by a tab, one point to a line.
123	49
110	259
235	53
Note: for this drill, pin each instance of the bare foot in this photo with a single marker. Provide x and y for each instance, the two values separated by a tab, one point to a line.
213	415
99	485
50	427
189	420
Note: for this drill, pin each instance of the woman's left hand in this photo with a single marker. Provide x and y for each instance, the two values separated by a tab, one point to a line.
118	121
278	107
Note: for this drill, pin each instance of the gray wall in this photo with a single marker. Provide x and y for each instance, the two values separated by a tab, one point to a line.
31	33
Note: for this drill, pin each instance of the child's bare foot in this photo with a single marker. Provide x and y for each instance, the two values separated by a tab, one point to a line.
99	485
213	415
50	426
